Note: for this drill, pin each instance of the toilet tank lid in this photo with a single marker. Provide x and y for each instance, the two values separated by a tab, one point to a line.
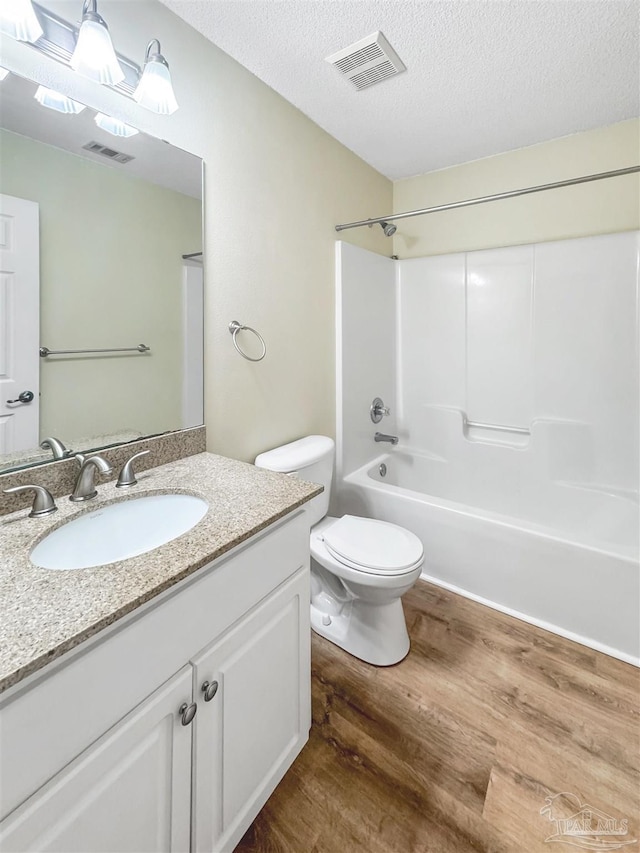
296	455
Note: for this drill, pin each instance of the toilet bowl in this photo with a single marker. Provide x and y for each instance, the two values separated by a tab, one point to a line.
362	613
360	567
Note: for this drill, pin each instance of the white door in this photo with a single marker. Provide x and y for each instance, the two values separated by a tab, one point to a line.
247	735
130	792
19	323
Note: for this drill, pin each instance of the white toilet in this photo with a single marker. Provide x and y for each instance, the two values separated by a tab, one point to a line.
360	567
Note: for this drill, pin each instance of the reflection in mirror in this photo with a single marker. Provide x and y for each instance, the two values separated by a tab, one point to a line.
101	314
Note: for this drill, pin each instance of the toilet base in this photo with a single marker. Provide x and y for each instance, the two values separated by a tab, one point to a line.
375	633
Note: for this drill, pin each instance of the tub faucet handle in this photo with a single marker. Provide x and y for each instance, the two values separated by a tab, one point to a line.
378	410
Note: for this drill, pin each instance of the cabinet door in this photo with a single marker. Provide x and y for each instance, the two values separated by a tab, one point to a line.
249	733
129	791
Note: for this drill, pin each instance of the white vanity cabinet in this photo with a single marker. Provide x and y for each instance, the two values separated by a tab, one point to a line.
249	733
128	791
95	755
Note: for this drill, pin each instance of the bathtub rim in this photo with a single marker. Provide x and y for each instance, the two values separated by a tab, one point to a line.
360	477
359	482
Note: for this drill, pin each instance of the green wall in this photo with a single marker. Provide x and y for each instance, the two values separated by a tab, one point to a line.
110	276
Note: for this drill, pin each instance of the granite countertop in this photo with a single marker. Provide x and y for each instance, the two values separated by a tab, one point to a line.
45	613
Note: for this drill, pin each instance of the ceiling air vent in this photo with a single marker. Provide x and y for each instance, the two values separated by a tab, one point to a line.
110	153
367	62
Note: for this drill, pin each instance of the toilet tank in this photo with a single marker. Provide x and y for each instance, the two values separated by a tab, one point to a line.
310	459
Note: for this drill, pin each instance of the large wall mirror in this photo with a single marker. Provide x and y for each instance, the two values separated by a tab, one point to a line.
101	287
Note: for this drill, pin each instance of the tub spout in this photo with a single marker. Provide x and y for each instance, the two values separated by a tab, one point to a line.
380	436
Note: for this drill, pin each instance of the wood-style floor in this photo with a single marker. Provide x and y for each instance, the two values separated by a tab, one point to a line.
456	748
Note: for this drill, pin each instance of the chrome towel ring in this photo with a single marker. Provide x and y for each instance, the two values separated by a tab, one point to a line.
234	328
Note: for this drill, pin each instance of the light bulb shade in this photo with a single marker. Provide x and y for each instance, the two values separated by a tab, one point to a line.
94	56
55	101
19	20
154	91
115	126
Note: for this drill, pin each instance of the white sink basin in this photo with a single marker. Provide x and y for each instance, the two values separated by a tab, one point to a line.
118	531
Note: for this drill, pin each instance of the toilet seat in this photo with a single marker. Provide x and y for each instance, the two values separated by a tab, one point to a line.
373	547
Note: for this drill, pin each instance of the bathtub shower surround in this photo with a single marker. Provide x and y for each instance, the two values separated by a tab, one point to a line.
365	357
541	339
516	403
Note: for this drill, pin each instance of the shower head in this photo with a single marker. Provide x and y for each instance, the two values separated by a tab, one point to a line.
388	227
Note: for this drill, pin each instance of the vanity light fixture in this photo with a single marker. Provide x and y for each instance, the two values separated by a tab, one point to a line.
114	126
55	101
154	91
88	49
3	73
94	56
18	19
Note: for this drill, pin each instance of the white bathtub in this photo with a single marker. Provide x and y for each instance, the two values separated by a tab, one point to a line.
559	555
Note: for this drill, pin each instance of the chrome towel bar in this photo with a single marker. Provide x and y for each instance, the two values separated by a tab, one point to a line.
45	351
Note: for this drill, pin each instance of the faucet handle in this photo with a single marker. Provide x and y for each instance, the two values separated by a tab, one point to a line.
127	476
43	502
378	410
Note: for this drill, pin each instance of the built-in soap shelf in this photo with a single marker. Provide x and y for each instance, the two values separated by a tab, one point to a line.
495	433
562	447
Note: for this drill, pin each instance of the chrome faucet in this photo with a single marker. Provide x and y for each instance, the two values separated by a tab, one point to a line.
380	436
85	488
56	447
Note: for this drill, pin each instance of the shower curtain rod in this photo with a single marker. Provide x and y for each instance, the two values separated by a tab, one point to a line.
585	179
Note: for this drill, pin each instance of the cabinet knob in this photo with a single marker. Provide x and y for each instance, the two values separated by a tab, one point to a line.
209	689
187	712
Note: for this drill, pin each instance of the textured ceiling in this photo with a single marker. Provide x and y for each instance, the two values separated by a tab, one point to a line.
484	76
